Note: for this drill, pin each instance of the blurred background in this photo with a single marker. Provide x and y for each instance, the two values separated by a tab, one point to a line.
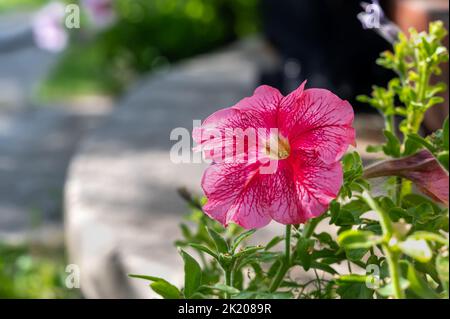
87	109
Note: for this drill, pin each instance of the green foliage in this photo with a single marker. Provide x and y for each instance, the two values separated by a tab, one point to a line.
17	5
415	59
358	239
160	286
437	144
33	272
192	275
353	170
148	36
353	287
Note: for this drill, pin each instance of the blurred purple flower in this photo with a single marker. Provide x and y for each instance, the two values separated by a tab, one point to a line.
374	18
101	12
48	27
421	168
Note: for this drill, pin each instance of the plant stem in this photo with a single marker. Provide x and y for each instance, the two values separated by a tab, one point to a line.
398	190
389	123
228	282
285	264
287	246
311	226
388	232
394	271
385	221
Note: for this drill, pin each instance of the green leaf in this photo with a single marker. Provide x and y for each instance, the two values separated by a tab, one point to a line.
396	213
192	274
445	135
374	148
428	236
223	288
144	277
273	242
443	159
411	146
219	241
392	146
165	290
419	286
161	286
388	290
323	267
335	207
248	251
442	268
326	239
357	207
259	257
185	231
434	100
416	248
240	238
412	201
351	278
419	140
304	252
422	213
353	287
204	249
356	254
357	239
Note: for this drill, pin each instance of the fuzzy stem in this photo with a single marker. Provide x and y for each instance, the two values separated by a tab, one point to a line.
388	232
385	221
394	271
286	263
228	282
311	226
389	123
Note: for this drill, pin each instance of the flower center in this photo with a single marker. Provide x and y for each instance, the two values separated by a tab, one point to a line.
278	147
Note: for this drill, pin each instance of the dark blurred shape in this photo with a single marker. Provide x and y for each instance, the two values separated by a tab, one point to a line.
326	41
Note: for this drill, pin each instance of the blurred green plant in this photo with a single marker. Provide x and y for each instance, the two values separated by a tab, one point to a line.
415	59
148	35
17	5
33	273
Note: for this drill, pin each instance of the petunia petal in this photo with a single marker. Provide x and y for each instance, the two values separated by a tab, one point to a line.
317	120
305	186
251	118
232	195
300	188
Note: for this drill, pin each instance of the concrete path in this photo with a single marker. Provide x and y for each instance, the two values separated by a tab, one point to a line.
36	143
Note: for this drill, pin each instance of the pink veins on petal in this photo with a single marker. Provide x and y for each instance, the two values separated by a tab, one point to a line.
275	157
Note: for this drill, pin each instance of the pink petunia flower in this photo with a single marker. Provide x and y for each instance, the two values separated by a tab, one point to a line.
48	28
281	162
101	12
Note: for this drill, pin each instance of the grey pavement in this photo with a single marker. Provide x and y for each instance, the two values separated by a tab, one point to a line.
36	142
